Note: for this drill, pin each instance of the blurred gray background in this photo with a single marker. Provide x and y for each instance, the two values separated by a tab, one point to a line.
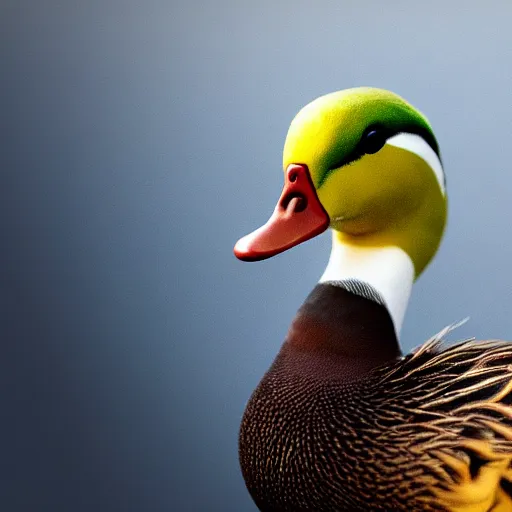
139	141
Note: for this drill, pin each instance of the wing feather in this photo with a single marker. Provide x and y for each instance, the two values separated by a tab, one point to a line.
458	410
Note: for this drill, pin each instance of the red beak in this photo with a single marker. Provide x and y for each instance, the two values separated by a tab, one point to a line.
298	216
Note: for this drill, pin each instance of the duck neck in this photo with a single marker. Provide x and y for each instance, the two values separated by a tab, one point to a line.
384	274
338	334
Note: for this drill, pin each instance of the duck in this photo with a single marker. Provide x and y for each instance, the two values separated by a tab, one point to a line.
343	420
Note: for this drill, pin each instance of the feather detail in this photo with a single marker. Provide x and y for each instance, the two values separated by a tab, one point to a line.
429	432
455	404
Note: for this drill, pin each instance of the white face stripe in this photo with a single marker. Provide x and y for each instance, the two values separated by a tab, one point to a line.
417	145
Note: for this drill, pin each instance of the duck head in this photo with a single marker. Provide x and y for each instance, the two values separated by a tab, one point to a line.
366	163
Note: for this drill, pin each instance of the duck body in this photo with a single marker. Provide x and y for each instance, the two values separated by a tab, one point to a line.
340	427
303	443
342	421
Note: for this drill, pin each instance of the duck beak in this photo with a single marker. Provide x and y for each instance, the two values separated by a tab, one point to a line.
298	216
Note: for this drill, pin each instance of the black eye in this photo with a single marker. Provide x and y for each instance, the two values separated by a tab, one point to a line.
373	140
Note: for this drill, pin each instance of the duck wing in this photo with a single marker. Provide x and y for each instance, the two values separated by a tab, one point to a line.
454	406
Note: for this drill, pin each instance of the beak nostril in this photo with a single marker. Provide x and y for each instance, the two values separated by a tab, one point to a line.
301	204
296	202
293	177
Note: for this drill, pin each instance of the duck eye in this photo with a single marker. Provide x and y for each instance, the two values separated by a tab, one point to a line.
373	140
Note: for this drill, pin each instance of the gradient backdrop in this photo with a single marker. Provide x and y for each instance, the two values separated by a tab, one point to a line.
139	141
